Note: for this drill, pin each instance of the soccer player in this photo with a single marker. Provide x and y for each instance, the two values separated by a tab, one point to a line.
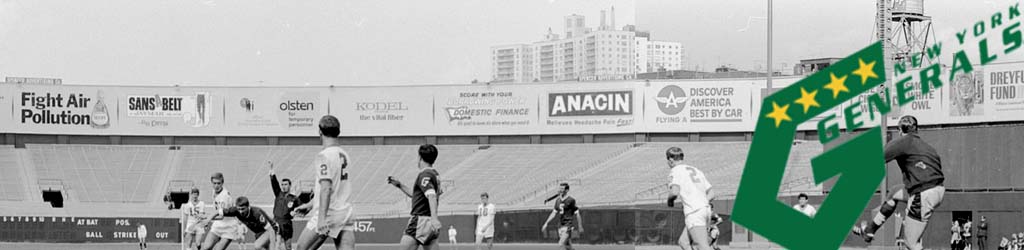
803	207
223	230
690	185
141	233
255	219
451	237
193	213
331	210
485	222
922	177
424	225
284	203
566	210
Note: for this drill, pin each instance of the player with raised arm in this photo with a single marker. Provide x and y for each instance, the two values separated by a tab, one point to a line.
255	219
332	212
922	179
689	185
223	230
424	225
193	213
284	203
566	210
485	222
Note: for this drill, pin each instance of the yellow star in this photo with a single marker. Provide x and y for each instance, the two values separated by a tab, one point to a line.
807	99
779	113
837	85
865	71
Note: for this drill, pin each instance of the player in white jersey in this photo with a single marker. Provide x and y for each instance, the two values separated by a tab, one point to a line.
485	222
331	216
223	230
690	185
142	233
192	213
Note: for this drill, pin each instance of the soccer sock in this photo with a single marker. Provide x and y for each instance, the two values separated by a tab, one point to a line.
887	209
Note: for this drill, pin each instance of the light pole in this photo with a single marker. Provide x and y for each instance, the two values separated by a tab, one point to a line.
770	71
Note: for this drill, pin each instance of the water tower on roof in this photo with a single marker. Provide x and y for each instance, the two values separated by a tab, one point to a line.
909	30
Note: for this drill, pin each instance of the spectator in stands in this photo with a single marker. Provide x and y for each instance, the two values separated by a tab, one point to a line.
284	203
1004	244
954	241
1020	240
967	235
803	207
982	234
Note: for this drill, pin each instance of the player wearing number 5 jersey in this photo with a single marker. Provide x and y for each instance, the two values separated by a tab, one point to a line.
689	184
332	211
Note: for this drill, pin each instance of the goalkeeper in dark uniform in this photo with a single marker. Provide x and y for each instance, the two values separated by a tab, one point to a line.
922	185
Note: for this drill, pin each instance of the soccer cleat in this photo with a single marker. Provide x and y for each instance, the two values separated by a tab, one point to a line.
861	230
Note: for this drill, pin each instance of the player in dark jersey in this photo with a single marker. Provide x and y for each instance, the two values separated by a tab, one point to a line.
424	226
255	219
284	203
922	185
566	210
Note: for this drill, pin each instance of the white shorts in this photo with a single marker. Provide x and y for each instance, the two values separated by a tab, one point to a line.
191	228
697	218
338	224
142	237
487	232
228	230
451	238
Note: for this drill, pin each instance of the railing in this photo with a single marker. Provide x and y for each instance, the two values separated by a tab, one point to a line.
180	186
53	185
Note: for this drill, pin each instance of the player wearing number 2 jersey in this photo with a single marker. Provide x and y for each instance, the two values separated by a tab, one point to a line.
332	210
689	184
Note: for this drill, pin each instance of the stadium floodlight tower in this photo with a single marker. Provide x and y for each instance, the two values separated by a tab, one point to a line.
911	31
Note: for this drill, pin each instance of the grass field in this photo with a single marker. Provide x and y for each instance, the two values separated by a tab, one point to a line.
175	246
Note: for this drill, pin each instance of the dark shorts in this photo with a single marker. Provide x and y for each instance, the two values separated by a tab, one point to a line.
285	229
419	228
921	205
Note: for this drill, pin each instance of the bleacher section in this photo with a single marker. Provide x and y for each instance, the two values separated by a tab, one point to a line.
510	172
516	176
11	181
94	173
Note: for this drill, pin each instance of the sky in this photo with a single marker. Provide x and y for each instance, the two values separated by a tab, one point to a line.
244	42
734	32
320	42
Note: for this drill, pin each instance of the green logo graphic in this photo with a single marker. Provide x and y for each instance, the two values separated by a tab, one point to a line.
859	162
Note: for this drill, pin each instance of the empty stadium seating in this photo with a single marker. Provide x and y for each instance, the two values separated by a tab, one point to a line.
516	176
11	186
508	172
102	173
